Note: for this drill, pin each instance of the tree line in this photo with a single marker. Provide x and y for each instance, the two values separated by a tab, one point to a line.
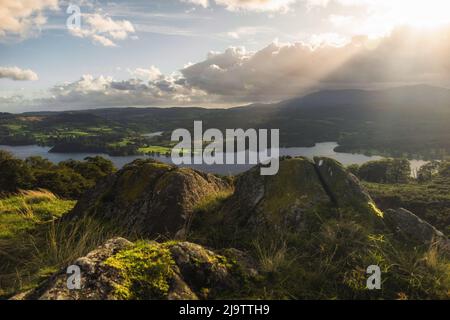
68	179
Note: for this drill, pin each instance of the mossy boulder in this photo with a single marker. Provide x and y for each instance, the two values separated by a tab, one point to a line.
147	270
344	188
301	191
149	198
97	281
280	200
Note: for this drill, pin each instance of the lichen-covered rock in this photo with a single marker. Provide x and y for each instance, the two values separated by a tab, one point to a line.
415	229
149	198
301	189
121	270
97	280
344	188
278	200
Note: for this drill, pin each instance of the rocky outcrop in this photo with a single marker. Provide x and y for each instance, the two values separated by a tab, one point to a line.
300	189
343	188
411	227
149	198
313	209
121	269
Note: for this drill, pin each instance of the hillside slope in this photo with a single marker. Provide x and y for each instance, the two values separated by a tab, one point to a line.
308	233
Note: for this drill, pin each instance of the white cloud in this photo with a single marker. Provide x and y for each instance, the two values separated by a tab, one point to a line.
379	17
150	74
103	30
281	71
203	3
276	72
20	18
91	91
15	73
249	31
340	20
250	5
256	5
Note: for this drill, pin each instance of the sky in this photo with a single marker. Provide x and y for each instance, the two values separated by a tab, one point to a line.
213	53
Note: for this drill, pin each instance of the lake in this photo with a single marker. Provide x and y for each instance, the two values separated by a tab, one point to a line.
325	149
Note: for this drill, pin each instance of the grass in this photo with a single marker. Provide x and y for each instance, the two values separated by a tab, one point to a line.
207	214
27	209
155	149
74	133
333	263
13	127
430	201
121	143
35	243
271	256
213	201
162	150
329	258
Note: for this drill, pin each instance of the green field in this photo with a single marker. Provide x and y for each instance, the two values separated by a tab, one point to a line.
155	149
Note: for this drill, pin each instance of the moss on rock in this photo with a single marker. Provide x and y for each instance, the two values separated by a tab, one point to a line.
146	270
150	198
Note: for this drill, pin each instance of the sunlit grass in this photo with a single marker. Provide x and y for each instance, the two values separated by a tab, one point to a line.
35	243
25	210
155	149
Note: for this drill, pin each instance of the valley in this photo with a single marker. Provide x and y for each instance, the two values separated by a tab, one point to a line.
403	122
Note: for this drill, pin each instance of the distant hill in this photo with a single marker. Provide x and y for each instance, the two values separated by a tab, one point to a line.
409	120
401	120
411	97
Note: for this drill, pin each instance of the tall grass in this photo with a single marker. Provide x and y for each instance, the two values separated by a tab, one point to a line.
31	257
36	196
35	243
25	210
331	263
208	208
271	256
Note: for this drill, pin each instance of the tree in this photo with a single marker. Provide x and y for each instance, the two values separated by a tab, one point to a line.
386	171
14	174
64	182
398	171
93	168
37	162
69	179
428	171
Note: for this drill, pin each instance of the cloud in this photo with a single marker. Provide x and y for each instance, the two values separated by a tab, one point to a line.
90	91
17	74
249	5
103	30
202	3
249	31
277	72
407	56
281	71
20	18
150	74
379	17
256	5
